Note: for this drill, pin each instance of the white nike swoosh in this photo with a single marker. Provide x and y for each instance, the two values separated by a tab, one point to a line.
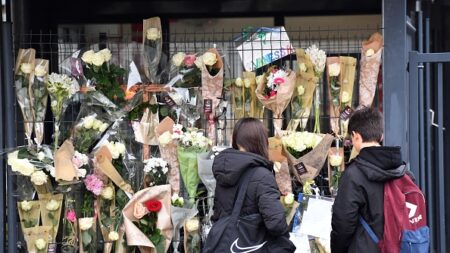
245	249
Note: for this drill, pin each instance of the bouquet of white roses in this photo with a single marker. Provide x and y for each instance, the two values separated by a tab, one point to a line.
87	131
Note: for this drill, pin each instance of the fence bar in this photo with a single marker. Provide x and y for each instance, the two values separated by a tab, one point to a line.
2	145
441	172
413	134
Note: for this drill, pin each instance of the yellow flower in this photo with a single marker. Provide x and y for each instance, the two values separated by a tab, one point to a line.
178	59
40	71
192	225
335	160
209	58
334	69
40	244
370	52
345	97
26	68
88	56
52	205
239	82
26	205
153	33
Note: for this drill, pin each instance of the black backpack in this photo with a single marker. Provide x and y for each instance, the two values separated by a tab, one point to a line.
237	233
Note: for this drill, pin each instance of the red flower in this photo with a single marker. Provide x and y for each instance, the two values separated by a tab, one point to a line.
278	80
153	205
272	93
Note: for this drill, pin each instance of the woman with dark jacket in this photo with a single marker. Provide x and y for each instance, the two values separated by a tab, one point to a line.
250	151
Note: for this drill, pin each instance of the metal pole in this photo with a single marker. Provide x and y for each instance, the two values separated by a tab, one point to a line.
2	146
413	94
10	131
441	172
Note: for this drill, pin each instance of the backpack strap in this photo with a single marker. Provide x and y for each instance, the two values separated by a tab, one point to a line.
369	230
243	184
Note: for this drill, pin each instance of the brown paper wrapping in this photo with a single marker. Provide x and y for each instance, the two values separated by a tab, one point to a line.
32	234
144	131
291	214
34	214
169	154
134	236
334	151
100	202
46	221
313	161
104	162
44	188
256	108
64	169
278	103
39	117
370	66
283	177
308	80
348	69
239	103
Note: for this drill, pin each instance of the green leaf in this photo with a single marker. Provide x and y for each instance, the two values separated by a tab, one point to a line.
164	111
86	237
51	216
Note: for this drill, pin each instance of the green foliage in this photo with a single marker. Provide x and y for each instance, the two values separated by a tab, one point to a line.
106	80
296	153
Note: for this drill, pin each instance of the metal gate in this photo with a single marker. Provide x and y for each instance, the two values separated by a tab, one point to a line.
426	136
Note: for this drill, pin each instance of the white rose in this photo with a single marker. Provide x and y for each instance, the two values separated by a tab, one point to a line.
345	97
335	160
370	52
40	71
178	59
334	69
165	138
199	62
247	83
175	197
26	68
300	90
112	148
41	156
192	225
52	205
81	173
107	193
98	59
302	67
113	236
97	124
106	54
40	244
153	33
88	122
103	127
289	199
26	205
239	82
85	223
209	58
39	177
120	148
88	56
23	166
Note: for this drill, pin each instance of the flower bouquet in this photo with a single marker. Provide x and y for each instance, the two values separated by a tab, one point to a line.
179	215
168	133
152	42
246	103
155	170
186	70
192	143
51	206
192	239
61	88
275	89
371	52
306	153
281	168
37	238
39	98
147	219
107	216
87	131
318	59
70	237
335	167
29	213
23	80
290	206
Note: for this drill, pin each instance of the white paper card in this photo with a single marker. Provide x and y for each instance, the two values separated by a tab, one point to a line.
316	219
301	242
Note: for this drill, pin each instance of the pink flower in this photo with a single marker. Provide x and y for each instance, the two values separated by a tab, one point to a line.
94	184
272	93
278	80
189	60
71	216
139	210
76	161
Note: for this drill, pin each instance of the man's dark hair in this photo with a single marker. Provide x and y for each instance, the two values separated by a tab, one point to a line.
368	122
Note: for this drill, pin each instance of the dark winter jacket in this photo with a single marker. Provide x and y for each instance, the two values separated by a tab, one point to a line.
361	193
262	194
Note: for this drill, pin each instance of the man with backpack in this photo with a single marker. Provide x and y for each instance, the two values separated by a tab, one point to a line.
377	205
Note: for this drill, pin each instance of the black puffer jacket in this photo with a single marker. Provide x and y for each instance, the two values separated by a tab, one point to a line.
262	194
361	193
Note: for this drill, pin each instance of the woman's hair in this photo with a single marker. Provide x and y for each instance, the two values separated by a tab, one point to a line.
251	135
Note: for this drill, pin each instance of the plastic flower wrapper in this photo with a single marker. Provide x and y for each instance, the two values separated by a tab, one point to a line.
168	133
70	235
192	239
107	215
306	153
192	143
93	187
23	80
51	206
335	167
87	131
144	130
179	215
238	98
105	75
290	206
152	42
371	52
185	70
274	91
61	88
138	209
29	213
39	98
37	238
281	168
156	171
